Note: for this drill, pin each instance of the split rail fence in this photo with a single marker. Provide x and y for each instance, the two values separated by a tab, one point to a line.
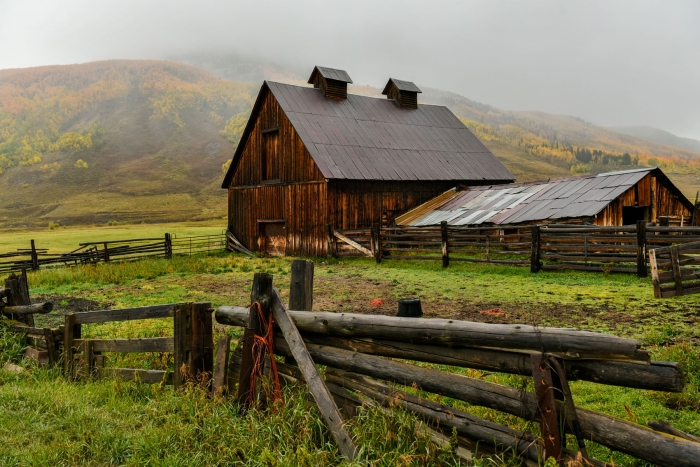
551	247
34	258
358	352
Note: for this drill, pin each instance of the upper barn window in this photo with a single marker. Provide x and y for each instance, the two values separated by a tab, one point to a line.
270	154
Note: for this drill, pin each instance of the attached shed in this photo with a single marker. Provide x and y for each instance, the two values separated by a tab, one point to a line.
614	198
316	157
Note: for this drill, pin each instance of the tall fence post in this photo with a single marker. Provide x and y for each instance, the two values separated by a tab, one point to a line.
641	248
260	293
35	257
378	242
202	356
535	250
301	289
182	331
106	257
445	246
168	246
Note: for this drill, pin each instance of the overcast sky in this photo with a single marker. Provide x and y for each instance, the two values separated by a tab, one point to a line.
610	62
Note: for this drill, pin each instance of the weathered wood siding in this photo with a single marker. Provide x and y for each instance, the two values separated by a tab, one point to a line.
292	162
648	192
359	204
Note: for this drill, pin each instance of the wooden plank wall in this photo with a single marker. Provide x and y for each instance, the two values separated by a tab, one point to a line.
294	163
649	191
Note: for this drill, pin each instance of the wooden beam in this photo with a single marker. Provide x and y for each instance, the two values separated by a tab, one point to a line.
318	389
352	243
202	355
566	343
21	310
126	314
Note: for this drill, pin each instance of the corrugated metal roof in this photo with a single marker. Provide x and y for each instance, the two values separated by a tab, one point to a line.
401	85
368	138
569	197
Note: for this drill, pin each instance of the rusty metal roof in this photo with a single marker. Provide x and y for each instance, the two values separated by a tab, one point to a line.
401	85
369	138
570	197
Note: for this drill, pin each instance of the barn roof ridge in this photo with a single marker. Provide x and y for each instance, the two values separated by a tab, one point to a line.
369	138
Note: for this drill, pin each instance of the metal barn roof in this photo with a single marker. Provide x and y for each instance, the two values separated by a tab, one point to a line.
367	138
401	85
562	198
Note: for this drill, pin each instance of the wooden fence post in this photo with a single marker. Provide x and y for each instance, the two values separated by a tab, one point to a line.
220	383
445	246
535	250
641	248
19	295
71	332
168	246
106	257
182	326
378	242
201	364
35	257
301	289
260	293
332	246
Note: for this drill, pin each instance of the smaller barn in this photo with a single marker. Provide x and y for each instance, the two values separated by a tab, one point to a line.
608	199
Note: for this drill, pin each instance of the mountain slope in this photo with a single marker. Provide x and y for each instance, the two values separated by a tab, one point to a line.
146	140
147	133
659	136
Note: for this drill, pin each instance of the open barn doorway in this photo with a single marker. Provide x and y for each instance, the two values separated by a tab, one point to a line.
632	214
273	237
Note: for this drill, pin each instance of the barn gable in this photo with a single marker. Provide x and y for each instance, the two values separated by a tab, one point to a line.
366	138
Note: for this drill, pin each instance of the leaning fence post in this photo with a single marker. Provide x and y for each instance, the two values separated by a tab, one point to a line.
641	248
445	246
535	250
547	406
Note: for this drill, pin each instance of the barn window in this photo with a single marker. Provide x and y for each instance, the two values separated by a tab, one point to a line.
270	154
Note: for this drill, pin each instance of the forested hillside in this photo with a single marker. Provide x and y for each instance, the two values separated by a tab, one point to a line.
115	140
146	140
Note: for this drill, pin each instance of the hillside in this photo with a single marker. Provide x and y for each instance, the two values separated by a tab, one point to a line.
145	141
114	141
659	136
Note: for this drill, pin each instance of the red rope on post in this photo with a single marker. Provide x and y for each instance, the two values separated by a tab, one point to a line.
264	343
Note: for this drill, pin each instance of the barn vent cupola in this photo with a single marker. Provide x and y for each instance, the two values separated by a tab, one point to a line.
332	83
405	93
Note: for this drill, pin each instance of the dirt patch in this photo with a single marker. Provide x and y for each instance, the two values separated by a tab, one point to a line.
64	304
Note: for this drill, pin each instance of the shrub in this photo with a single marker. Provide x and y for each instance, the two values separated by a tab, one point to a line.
81	164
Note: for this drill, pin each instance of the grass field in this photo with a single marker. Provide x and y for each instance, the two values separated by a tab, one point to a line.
113	423
64	239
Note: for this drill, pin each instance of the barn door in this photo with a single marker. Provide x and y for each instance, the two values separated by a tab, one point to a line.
274	238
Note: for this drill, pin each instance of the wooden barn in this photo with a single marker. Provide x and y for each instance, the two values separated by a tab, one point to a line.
314	157
614	198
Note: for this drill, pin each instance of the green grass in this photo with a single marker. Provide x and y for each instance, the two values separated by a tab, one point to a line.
65	239
119	423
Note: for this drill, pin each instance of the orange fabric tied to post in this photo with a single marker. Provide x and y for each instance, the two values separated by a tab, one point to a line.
264	343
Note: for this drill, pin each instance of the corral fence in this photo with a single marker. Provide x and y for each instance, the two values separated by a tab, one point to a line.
365	355
542	247
35	258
